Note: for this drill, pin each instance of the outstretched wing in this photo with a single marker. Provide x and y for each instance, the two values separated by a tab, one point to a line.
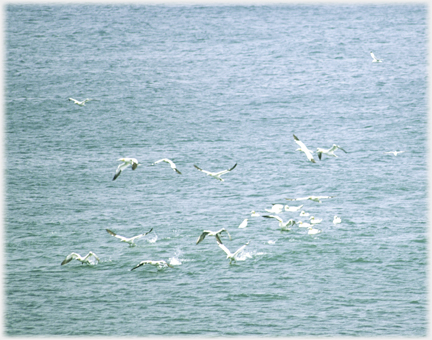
202	236
205	171
220	173
272	216
115	235
69	258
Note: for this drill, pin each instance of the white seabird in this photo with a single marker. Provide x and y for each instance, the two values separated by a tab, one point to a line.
130	240
243	224
126	162
312	198
375	60
80	103
216	174
159	264
337	220
304	213
75	256
212	233
314	220
304	149
304	224
329	152
171	163
231	256
288	208
276	208
394	152
283	226
313	231
255	214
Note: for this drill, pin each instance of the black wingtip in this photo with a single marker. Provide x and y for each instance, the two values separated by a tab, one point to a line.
295	137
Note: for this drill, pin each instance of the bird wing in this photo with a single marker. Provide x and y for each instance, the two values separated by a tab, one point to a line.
342	149
74	100
297	199
142	263
224	230
69	258
272	216
220	173
202	236
205	171
140	235
240	249
225	249
115	235
304	149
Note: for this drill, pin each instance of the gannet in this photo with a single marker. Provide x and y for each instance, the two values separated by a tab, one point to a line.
130	240
171	163
216	174
212	233
82	103
276	208
283	226
288	208
313	231
159	264
375	60
254	214
337	220
75	256
243	224
329	152
231	256
304	224
394	152
312	198
304	213
126	162
304	149
314	220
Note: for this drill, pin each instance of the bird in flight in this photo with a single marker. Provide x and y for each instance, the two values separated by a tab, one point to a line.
171	163
75	256
80	103
304	149
216	174
159	264
329	152
312	198
126	162
231	256
374	59
130	240
212	233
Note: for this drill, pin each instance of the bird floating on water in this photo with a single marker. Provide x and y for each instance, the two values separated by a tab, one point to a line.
313	231
375	60
80	103
130	240
288	208
75	256
304	224
304	149
255	214
337	220
282	225
159	264
170	162
276	208
394	152
312	198
212	233
216	174
329	152
304	213
126	162
314	220
231	256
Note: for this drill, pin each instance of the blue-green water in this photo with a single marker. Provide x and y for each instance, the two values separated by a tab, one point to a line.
215	86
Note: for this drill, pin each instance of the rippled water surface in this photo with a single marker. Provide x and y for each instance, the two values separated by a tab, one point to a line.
215	86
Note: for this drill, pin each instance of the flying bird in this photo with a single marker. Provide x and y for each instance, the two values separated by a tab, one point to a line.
130	240
375	60
159	264
126	162
312	198
212	233
231	256
75	256
171	163
80	103
394	152
329	152
304	149
216	174
282	225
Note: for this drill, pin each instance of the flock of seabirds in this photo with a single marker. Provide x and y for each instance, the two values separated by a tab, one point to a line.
275	210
